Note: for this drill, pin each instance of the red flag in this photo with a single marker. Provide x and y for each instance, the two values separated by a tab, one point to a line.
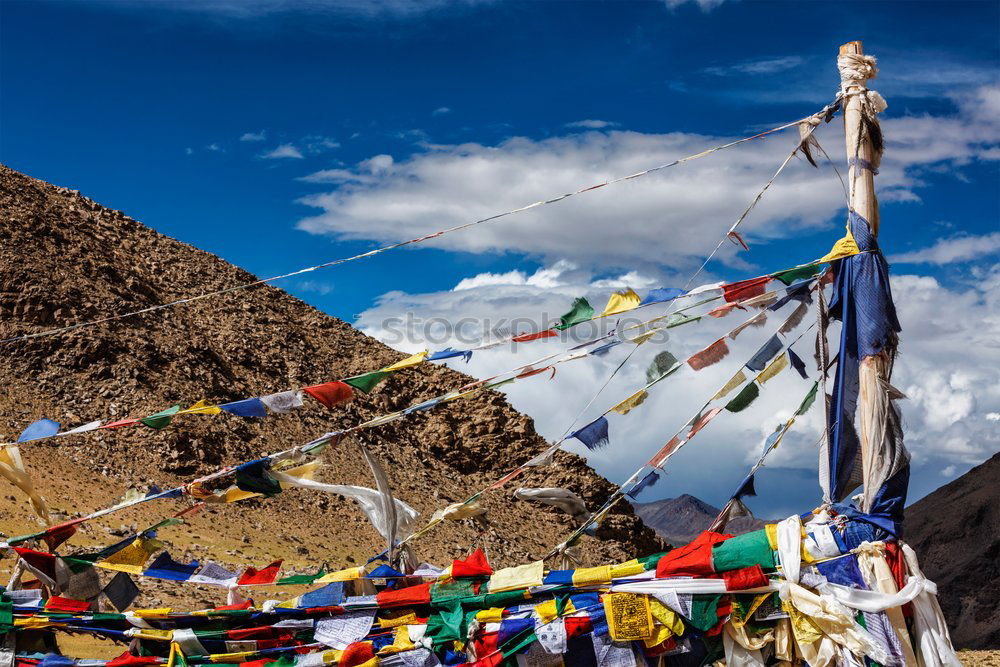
405	597
331	393
128	421
356	654
694	558
56	535
524	338
56	603
702	420
40	564
712	354
744	578
724	309
473	566
126	659
254	577
745	289
664	452
577	626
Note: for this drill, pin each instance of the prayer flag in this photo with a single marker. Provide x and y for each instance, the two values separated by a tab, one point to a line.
473	566
701	421
127	421
755	322
797	292
283	402
518	577
56	603
743	399
665	452
294	579
412	360
265	576
621	302
661	364
807	401
794	319
765	354
580	311
121	591
131	558
798	273
724	309
448	353
202	407
214	574
712	354
327	596
746	488
89	426
745	289
797	363
165	567
779	364
844	247
248	407
255	478
594	435
43	428
524	338
630	403
368	381
162	418
649	480
733	383
662	294
330	393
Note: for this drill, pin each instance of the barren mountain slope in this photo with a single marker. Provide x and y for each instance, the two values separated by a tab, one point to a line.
679	520
65	259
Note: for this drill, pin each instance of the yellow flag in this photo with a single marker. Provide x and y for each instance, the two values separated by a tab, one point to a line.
520	576
12	469
667	616
629	617
621	302
161	612
131	558
154	634
779	364
413	360
733	383
349	574
546	611
494	614
627	569
633	401
202	407
845	247
592	576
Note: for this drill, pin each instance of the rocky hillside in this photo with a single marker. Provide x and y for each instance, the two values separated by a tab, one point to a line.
65	259
956	533
679	520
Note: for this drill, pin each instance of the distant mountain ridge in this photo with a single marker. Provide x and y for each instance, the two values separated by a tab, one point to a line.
956	533
679	520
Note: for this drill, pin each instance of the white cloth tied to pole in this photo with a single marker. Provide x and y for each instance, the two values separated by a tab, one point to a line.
790	547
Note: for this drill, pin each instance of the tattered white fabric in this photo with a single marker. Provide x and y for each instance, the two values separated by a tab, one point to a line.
283	402
790	547
564	499
459	511
933	643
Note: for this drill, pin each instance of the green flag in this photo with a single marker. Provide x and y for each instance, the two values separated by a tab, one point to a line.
366	382
161	419
581	311
798	273
662	363
743	399
807	401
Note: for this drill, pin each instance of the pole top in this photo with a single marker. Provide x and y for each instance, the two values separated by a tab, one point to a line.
852	48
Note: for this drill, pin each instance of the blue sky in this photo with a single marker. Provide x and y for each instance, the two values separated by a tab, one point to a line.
279	134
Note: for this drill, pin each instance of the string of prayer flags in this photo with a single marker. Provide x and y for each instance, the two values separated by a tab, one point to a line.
621	302
365	383
744	289
743	399
449	353
263	577
330	393
662	363
779	364
797	363
712	354
765	354
651	478
248	407
594	435
661	294
162	418
43	428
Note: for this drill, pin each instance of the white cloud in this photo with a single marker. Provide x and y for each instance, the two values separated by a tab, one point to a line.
544	278
283	151
592	124
188	151
215	148
703	5
757	66
318	143
250	9
672	217
253	136
949	367
961	248
441	111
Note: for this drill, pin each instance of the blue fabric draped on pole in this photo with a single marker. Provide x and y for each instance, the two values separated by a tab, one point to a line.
862	301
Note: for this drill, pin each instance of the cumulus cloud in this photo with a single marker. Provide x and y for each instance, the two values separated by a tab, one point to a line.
960	248
949	368
441	111
673	217
253	136
757	66
283	151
